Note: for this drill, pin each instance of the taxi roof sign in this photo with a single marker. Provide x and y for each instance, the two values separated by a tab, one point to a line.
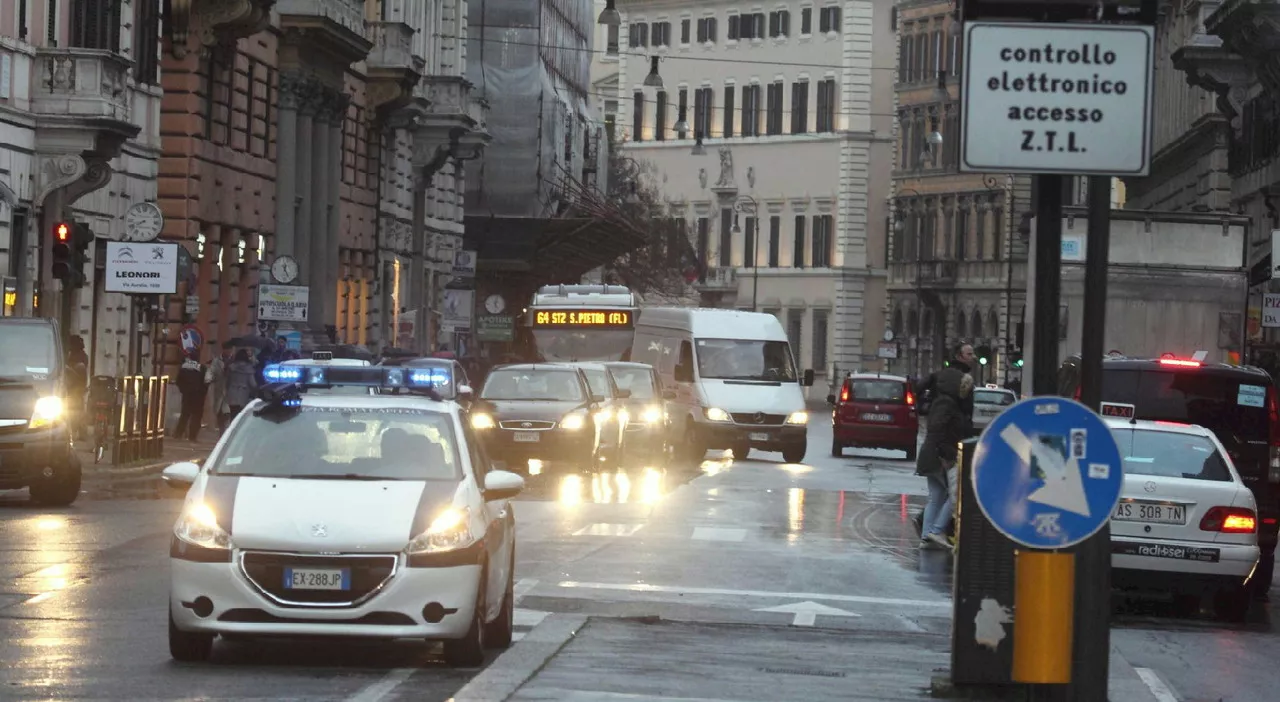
1117	409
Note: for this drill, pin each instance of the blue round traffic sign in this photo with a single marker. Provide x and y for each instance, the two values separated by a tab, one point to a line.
1047	472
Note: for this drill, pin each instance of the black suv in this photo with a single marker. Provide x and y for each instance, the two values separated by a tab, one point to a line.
35	439
1239	404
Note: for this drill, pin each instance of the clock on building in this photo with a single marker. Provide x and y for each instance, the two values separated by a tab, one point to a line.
284	269
494	304
143	222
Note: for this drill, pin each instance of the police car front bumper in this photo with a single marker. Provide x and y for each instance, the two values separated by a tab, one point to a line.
222	598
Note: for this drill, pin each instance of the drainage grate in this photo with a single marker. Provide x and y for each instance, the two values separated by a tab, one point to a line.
802	671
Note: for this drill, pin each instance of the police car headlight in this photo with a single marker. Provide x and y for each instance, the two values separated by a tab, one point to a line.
198	526
716	414
482	421
47	411
652	415
798	418
451	530
574	421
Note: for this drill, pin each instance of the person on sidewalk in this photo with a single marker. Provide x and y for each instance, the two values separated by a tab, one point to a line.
962	360
242	382
193	383
218	387
77	384
948	426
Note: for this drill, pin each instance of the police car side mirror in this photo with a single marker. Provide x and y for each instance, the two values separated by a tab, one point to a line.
181	475
502	485
465	393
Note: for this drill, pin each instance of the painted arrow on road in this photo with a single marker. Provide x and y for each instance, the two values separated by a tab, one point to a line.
806	613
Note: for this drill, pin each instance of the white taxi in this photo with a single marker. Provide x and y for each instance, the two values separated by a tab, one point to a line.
1186	524
331	515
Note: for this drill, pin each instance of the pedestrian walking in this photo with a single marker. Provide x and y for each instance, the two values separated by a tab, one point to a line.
77	380
218	387
242	382
193	383
948	425
962	360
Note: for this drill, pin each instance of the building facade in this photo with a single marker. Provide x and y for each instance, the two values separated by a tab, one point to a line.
769	129
80	140
1216	147
328	131
958	249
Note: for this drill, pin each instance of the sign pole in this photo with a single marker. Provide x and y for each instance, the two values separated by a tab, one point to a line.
1048	288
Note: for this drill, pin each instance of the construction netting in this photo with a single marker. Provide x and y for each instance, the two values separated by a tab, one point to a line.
531	61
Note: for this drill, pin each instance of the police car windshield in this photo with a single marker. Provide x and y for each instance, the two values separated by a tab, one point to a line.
344	444
530	384
1170	455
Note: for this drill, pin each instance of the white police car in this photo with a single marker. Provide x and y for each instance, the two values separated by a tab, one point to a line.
363	516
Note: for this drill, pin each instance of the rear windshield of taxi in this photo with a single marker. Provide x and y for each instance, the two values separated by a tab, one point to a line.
992	397
1170	455
1234	409
883	391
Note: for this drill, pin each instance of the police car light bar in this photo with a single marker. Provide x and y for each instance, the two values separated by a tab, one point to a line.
389	378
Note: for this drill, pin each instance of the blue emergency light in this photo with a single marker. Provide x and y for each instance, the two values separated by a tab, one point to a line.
393	378
282	374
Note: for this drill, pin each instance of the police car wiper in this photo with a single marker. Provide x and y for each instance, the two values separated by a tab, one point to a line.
333	476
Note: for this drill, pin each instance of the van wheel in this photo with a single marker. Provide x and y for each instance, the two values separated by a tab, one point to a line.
740	450
694	449
837	449
60	489
794	453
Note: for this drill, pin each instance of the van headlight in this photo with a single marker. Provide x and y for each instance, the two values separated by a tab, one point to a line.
652	415
574	421
482	421
449	531
716	414
198	526
798	418
48	411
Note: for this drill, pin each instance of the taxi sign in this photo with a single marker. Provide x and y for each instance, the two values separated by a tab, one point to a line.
1118	409
1047	473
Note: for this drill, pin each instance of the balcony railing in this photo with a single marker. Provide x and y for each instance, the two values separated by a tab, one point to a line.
720	279
88	83
346	13
938	273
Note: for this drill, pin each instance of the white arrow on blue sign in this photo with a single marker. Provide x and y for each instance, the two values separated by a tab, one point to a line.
1047	473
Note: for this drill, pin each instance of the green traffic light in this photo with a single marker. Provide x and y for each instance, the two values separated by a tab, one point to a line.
983	361
1017	363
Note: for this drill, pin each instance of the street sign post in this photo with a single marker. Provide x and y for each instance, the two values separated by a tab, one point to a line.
1047	474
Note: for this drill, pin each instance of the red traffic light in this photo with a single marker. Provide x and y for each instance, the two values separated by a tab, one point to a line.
62	231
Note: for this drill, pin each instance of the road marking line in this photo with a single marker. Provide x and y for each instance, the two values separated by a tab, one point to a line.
804	619
379	690
570	584
607	529
528	617
523	587
1156	685
517	635
719	534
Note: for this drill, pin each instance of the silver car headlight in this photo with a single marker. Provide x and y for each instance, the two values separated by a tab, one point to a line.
449	531
652	415
198	526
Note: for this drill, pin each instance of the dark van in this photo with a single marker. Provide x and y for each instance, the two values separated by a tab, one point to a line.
1238	404
35	439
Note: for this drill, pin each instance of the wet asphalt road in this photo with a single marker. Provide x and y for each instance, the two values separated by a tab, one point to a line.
83	590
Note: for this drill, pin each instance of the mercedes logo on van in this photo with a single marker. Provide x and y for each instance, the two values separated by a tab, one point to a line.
319	531
759	417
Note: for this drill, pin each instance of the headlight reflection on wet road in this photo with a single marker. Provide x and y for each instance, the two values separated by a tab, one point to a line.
648	487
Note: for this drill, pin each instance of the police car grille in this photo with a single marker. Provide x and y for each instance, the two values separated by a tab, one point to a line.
266	571
525	424
750	418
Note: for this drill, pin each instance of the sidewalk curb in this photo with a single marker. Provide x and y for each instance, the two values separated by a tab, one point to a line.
522	661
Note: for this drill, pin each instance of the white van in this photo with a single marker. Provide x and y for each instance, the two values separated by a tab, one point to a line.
729	378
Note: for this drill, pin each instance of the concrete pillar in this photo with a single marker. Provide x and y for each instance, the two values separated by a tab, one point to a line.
321	260
333	243
418	262
302	188
287	165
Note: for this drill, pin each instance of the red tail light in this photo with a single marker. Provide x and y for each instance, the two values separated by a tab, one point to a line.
911	399
844	393
1230	520
1179	363
1273	426
1076	397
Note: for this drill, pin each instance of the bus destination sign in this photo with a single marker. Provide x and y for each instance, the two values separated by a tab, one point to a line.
615	318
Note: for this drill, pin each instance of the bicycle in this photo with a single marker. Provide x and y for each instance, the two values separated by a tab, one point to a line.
102	402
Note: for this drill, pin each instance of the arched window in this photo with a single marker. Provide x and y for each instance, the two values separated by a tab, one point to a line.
913	322
897	322
976	326
962	324
993	323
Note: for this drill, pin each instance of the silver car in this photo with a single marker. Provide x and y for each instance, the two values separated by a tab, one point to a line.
988	403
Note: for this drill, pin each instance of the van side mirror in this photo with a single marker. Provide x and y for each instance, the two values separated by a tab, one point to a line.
684	373
598	398
807	381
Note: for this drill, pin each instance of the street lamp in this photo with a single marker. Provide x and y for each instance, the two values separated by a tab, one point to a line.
745	204
698	149
653	80
609	16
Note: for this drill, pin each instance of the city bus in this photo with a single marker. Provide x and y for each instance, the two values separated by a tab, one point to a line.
580	323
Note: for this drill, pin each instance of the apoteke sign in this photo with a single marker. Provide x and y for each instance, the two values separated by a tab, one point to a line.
1057	98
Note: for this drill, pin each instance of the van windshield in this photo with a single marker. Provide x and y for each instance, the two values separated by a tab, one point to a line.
742	359
27	351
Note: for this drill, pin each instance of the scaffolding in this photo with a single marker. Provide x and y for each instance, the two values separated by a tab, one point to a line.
531	62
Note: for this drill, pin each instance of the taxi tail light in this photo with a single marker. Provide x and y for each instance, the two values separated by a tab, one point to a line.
1230	520
1273	426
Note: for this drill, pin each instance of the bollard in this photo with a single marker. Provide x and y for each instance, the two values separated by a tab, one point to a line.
1043	630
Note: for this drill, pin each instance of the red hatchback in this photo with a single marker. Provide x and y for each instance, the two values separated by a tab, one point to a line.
874	410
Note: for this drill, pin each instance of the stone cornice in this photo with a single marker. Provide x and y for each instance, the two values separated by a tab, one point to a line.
1251	28
215	21
1221	72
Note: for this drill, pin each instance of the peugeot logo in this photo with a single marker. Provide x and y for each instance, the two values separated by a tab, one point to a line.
525	425
759	417
319	531
1149	486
